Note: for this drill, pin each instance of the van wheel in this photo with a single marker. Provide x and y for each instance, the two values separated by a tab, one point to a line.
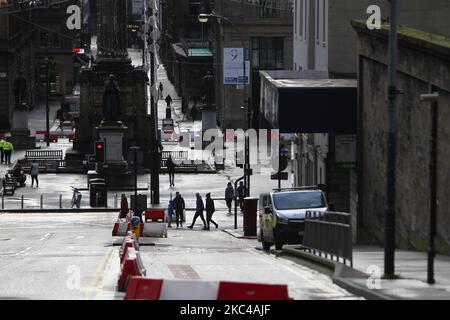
278	246
265	245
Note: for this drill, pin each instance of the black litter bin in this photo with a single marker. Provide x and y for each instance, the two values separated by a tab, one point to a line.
250	210
98	193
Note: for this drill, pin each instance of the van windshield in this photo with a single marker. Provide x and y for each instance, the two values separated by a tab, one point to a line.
299	200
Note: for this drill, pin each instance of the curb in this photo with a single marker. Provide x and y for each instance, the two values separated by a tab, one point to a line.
339	277
238	236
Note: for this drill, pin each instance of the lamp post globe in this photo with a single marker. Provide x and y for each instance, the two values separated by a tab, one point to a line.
203	17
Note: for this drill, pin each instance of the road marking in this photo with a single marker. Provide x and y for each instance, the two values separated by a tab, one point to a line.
46	236
95	285
183	271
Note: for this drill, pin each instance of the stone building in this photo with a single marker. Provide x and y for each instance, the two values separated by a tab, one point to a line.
187	53
16	54
51	19
423	67
263	28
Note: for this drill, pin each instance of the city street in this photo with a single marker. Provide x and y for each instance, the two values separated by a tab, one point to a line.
42	256
328	119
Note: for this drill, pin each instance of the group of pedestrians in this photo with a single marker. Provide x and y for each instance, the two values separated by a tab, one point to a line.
177	206
231	195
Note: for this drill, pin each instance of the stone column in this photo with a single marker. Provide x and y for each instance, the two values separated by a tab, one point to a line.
112	30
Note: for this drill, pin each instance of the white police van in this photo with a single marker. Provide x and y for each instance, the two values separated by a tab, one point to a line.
282	214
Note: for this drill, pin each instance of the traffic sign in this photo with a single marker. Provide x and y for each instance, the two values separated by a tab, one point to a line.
283	176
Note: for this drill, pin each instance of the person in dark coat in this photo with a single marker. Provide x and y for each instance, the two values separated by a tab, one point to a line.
229	196
179	206
171	170
199	212
210	211
123	207
240	194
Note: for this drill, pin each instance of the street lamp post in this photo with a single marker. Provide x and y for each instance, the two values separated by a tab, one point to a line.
389	224
47	90
433	98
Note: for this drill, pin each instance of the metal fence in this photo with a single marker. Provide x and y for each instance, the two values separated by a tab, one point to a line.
329	233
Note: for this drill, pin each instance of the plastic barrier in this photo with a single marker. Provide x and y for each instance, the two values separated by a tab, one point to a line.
120	229
154	230
155	215
157	289
252	291
131	266
127	244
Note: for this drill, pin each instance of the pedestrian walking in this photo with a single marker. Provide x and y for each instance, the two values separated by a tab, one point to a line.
240	191
229	195
210	209
2	152
161	90
199	208
179	206
170	212
124	209
168	100
8	148
34	172
171	170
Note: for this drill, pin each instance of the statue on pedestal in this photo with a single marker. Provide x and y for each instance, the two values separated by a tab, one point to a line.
20	90
111	101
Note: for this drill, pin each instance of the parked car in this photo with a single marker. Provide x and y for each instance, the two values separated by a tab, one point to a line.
282	214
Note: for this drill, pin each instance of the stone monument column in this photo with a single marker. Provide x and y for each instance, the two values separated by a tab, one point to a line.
112	31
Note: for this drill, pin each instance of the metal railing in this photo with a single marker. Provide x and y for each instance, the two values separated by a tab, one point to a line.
329	233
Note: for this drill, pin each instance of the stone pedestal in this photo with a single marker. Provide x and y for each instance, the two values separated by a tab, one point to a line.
20	133
115	169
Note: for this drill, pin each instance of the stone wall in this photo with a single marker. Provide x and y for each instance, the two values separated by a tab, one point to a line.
424	66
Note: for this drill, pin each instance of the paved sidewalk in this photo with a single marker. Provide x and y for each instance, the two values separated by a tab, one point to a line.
365	278
411	267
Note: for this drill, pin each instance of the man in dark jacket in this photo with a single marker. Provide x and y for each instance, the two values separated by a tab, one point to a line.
179	206
171	170
210	210
199	212
240	194
229	196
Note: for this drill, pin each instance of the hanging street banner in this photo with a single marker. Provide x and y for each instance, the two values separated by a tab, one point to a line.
233	59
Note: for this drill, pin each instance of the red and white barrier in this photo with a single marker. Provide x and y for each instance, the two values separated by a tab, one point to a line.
131	266
154	230
120	228
155	215
140	288
126	245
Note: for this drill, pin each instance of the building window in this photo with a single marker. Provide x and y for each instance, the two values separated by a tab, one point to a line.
269	8
267	53
194	7
317	21
43	39
301	20
305	19
324	22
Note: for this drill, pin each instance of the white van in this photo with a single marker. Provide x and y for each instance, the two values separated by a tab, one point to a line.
282	214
